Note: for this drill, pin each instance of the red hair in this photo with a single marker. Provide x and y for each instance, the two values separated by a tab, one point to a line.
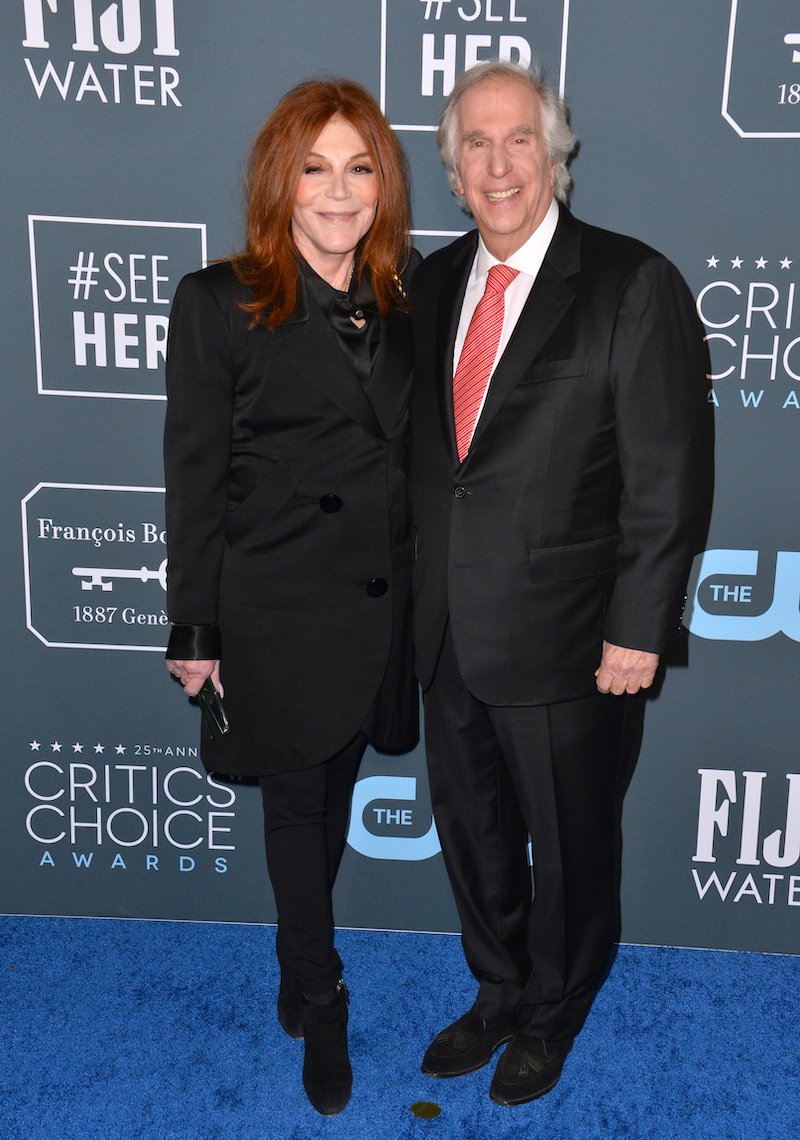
269	261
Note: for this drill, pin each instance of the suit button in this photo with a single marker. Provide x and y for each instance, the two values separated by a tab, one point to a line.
460	492
377	587
330	504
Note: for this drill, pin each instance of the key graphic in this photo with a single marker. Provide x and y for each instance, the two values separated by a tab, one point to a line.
103	578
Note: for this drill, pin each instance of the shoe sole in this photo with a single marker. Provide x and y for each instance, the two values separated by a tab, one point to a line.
288	1031
328	1112
525	1099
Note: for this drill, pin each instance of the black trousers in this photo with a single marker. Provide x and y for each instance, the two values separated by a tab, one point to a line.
305	828
497	776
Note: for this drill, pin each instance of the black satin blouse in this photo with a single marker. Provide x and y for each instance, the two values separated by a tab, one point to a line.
360	345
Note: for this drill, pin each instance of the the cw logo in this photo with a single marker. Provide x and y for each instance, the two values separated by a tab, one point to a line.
783	615
396	789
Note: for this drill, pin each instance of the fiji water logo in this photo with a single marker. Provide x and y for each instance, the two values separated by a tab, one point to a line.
118	30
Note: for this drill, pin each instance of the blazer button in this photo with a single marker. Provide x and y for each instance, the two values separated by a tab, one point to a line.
460	492
330	504
377	587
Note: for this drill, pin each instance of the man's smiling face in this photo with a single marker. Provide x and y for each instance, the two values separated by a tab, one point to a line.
503	168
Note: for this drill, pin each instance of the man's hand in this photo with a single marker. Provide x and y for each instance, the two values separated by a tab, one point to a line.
625	670
192	674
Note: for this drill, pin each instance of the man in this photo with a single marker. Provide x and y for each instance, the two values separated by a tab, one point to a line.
559	442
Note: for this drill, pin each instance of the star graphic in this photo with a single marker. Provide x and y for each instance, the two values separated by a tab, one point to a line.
785	263
35	745
77	748
120	750
713	262
736	263
761	263
99	748
56	746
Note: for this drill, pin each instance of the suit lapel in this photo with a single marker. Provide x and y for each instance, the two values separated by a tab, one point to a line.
316	353
545	307
451	298
391	376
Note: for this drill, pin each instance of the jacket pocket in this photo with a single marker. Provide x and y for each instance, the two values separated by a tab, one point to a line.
579	560
575	367
262	502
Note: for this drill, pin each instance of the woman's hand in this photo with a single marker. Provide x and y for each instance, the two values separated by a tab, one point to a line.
192	674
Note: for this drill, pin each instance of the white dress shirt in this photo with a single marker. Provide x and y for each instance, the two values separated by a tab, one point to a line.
528	260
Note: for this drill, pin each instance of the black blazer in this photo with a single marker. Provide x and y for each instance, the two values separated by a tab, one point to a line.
287	525
574	516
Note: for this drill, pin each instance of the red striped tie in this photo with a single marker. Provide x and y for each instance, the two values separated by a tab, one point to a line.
477	356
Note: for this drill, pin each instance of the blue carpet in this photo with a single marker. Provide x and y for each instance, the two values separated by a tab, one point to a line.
117	1030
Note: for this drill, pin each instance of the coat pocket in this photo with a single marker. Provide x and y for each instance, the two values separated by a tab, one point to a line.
578	560
262	502
574	367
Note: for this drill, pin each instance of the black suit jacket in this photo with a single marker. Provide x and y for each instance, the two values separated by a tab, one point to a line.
287	524
574	516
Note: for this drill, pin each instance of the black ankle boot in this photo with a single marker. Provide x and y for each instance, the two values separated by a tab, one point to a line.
290	1006
327	1076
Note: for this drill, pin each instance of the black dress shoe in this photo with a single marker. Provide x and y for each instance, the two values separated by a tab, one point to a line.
290	1006
465	1046
327	1076
528	1068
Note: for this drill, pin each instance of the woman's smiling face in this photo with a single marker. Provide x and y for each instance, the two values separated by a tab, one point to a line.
336	200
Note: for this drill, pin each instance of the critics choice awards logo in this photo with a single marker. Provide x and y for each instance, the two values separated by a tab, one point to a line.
89	51
91	804
761	94
750	306
425	45
102	291
95	563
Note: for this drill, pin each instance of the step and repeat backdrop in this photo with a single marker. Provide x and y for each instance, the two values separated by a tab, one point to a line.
126	126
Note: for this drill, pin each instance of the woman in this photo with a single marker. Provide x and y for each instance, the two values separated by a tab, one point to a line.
289	547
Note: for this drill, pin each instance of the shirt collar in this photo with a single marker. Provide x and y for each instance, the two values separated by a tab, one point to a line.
529	257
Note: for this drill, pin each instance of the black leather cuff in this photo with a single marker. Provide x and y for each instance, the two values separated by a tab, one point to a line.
194	643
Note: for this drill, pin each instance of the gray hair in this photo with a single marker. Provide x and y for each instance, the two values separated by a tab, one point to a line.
559	140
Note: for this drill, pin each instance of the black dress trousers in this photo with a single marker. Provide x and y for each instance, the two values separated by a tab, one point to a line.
497	776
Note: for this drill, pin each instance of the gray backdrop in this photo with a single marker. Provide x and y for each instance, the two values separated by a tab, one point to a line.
126	127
